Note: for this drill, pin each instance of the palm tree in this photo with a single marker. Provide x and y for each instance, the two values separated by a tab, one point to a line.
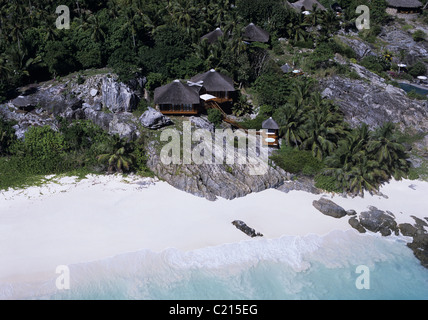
357	165
296	28
97	33
16	32
183	13
323	127
118	161
290	120
140	7
366	175
350	152
315	17
300	92
329	23
388	152
131	23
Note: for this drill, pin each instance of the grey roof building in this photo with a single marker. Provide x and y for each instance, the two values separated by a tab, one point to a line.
213	35
286	68
307	5
177	93
270	124
214	81
413	4
253	33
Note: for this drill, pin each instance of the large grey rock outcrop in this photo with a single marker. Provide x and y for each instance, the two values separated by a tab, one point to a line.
153	119
53	99
419	245
374	102
106	91
376	220
26	120
202	123
117	97
302	184
360	47
329	208
355	223
408	230
100	118
210	181
399	40
124	125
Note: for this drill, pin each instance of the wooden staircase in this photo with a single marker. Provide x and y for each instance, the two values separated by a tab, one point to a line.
210	104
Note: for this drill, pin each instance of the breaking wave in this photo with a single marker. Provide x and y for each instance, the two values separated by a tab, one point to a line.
292	267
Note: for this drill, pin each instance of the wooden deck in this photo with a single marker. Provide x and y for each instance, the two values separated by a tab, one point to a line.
271	136
222	100
265	135
180	113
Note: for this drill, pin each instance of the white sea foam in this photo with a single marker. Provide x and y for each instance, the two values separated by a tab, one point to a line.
190	243
292	267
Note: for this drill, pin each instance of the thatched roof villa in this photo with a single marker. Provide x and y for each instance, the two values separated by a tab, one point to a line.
253	33
216	84
404	7
213	36
307	5
178	98
188	98
271	139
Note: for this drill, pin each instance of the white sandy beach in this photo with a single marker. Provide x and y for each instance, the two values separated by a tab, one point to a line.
66	221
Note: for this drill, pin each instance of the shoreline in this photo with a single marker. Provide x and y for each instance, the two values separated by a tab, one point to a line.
70	222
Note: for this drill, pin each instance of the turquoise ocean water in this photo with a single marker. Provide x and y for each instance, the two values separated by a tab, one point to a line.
310	267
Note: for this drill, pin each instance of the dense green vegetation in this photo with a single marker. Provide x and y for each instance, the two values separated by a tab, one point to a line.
215	117
160	39
353	160
297	161
79	147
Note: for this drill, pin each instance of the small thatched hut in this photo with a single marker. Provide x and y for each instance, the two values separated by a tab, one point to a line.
213	35
286	68
216	84
271	139
404	6
253	33
177	98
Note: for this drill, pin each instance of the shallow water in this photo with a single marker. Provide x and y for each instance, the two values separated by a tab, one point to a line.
310	267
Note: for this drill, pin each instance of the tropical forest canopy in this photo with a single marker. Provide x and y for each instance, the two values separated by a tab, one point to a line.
161	40
156	37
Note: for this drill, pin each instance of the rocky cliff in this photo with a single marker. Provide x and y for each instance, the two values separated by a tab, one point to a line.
372	101
100	98
210	181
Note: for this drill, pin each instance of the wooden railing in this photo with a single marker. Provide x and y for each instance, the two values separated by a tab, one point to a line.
178	112
214	105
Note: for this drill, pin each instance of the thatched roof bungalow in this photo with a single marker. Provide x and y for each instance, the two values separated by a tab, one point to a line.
213	36
178	98
307	5
216	84
404	6
272	136
286	68
253	33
